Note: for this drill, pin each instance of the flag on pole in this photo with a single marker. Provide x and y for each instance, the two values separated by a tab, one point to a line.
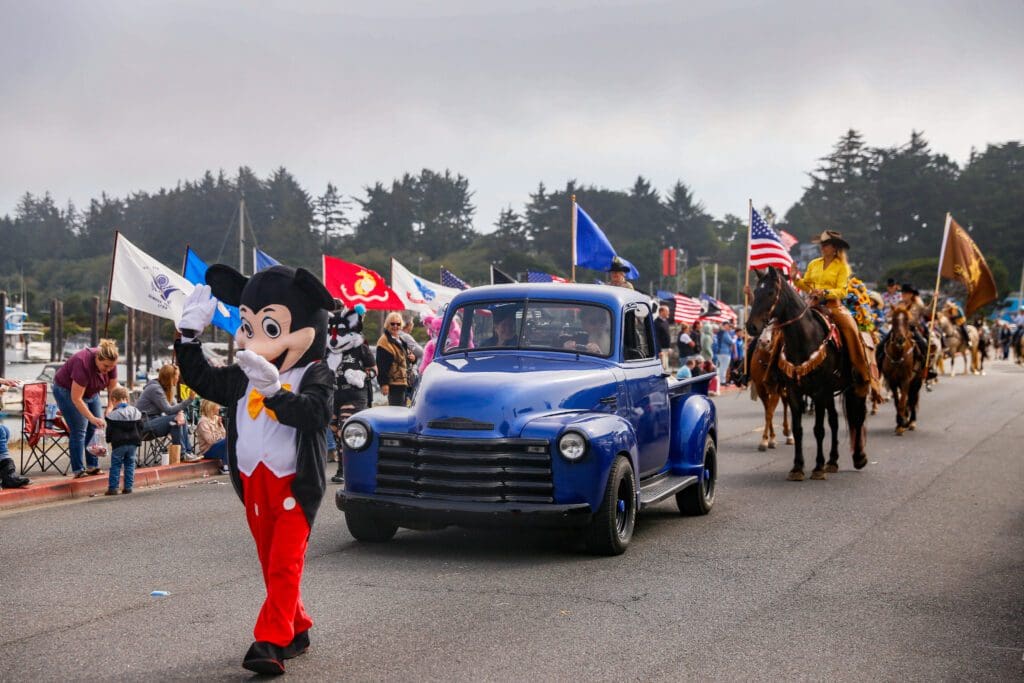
963	261
716	311
450	279
418	294
262	260
354	284
500	277
539	276
688	309
788	241
142	283
766	247
225	317
593	250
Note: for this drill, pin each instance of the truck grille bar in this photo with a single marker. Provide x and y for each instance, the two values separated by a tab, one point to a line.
478	470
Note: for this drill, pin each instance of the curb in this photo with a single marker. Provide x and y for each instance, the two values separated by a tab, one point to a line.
67	489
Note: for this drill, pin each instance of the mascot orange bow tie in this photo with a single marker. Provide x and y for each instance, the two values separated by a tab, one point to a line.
255	403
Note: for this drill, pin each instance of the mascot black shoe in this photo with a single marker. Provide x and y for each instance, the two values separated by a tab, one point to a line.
278	397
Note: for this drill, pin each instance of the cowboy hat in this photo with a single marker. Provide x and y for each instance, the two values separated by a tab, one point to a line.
908	288
833	237
618	266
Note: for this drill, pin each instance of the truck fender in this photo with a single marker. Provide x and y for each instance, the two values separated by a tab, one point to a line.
693	419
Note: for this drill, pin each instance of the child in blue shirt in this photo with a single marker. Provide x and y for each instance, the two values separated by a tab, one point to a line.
124	432
686	369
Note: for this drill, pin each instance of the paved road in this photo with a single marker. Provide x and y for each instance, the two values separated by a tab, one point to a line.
910	569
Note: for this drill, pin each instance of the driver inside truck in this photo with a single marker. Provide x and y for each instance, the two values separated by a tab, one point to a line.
595	323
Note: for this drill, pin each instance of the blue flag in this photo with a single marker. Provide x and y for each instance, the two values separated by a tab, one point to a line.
593	250
263	260
225	317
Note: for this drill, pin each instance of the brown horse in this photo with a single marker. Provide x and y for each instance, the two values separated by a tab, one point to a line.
764	386
901	367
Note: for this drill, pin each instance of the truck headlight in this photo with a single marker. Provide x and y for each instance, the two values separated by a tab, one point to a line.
572	446
355	435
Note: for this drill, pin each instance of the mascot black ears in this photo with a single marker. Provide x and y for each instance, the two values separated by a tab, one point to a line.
284	312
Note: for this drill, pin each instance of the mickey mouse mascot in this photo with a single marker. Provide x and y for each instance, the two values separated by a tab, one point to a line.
279	399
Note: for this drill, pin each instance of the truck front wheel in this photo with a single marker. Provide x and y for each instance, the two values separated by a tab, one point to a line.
369	528
698	498
612	526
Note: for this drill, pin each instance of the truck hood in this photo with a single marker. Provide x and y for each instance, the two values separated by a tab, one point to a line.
496	395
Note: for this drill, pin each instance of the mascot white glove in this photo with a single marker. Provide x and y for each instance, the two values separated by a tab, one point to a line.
197	312
356	378
261	372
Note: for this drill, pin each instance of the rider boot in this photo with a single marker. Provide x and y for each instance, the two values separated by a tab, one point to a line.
861	371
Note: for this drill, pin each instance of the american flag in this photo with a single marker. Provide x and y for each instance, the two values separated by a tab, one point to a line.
687	309
450	279
724	314
766	247
788	241
538	276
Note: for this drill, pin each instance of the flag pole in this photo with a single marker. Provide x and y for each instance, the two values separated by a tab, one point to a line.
574	238
746	282
935	296
110	282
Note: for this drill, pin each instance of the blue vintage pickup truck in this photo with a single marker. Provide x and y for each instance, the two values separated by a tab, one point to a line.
545	406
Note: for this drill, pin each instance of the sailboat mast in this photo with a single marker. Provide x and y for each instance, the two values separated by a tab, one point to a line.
241	237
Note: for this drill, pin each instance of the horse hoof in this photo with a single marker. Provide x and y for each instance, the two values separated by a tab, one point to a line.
795	476
831	468
860	462
762	447
818	475
789	441
912	426
771	444
899	431
874	411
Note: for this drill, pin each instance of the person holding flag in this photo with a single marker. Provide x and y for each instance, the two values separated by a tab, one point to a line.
617	274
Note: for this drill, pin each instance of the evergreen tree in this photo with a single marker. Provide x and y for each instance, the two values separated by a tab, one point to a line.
329	216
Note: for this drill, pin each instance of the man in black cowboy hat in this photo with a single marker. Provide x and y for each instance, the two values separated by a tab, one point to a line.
617	274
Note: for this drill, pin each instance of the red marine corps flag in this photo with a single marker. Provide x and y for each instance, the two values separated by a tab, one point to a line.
354	284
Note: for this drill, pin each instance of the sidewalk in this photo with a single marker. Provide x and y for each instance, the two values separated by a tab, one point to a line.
53	486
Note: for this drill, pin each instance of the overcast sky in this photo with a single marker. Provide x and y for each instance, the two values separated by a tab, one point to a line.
737	99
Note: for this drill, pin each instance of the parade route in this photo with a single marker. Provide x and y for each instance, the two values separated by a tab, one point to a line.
912	568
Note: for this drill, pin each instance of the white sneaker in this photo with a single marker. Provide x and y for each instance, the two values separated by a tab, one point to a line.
191	457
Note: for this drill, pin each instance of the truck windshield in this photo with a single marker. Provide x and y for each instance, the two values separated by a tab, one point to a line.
548	325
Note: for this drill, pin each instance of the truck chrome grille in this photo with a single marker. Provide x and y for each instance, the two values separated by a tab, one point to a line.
477	470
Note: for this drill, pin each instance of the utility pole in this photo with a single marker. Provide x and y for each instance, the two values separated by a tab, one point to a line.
714	290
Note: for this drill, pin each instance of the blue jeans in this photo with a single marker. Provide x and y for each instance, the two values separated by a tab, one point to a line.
126	455
80	429
218	451
723	360
162	425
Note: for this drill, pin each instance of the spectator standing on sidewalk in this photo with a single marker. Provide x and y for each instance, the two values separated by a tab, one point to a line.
76	389
707	341
663	335
685	343
124	432
724	348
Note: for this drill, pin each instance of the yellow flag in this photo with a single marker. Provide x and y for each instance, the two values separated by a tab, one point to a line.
963	261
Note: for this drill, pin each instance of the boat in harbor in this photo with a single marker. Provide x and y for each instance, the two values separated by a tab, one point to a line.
23	340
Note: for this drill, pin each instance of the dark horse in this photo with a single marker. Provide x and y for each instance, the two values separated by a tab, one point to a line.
901	366
808	362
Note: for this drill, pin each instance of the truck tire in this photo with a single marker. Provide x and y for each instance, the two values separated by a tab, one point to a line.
368	528
612	527
700	497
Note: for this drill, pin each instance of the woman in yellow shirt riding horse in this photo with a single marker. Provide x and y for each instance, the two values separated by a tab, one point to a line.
826	280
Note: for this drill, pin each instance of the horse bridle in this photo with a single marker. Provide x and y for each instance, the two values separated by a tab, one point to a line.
775	303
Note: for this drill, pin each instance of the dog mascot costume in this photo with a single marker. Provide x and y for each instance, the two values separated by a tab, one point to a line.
279	398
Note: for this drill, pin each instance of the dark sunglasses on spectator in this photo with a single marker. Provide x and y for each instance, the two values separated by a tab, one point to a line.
394	324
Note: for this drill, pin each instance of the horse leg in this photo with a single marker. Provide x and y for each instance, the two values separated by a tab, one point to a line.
796	404
766	403
785	423
820	406
900	399
774	401
833	424
915	395
856	412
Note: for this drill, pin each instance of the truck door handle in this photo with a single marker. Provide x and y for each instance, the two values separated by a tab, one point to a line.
609	401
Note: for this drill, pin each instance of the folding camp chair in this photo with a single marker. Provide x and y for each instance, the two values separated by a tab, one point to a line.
47	438
152	449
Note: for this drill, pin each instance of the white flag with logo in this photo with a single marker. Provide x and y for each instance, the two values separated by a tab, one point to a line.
141	282
417	293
